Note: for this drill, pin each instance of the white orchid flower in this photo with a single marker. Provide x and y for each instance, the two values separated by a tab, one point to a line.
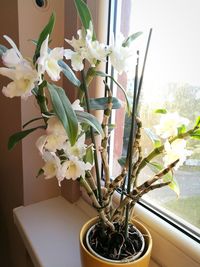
176	150
12	57
51	142
120	55
52	166
78	149
76	105
85	48
169	124
76	56
19	70
54	139
74	168
76	59
48	60
95	49
54	126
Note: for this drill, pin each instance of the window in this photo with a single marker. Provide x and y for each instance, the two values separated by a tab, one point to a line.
171	81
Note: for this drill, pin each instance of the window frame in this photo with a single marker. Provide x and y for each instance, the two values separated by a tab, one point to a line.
174	221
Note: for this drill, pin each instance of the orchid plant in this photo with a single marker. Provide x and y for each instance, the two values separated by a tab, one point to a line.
68	127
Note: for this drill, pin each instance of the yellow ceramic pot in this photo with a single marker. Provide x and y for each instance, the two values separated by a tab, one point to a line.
89	260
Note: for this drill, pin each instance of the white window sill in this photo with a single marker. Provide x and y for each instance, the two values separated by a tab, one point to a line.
50	231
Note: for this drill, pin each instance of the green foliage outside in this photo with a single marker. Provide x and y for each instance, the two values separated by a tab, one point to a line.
187	208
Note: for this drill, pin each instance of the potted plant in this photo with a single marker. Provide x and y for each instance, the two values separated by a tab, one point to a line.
68	145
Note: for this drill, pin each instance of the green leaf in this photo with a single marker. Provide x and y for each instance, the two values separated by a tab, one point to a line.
154	138
15	138
34	91
84	117
130	39
111	127
196	134
175	186
35	119
102	74
122	161
43	35
40	172
156	167
3	49
89	156
102	102
182	129
69	73
84	14
161	111
63	109
197	123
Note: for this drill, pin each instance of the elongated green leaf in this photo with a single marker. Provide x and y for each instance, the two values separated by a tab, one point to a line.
35	119
102	102
130	39
63	109
89	156
161	111
69	73
84	14
196	134
197	123
43	35
89	119
154	138
3	49
156	167
15	138
102	74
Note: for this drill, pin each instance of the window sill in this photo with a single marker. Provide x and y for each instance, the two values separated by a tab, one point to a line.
50	231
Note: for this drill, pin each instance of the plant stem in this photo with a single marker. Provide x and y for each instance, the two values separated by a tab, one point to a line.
158	150
131	138
85	87
42	100
143	68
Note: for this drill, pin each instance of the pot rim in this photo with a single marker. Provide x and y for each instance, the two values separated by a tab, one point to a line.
126	260
138	224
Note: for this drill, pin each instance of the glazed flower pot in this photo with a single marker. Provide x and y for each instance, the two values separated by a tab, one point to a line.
88	259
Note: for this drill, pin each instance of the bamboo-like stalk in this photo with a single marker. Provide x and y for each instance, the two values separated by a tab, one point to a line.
90	179
104	141
139	191
131	142
157	176
143	68
85	87
95	202
138	148
158	150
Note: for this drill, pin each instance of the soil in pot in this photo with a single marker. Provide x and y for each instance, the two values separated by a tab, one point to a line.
113	245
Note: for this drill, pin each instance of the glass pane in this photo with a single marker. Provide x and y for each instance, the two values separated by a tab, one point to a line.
171	81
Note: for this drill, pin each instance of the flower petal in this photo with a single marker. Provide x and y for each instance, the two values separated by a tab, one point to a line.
11	42
10	58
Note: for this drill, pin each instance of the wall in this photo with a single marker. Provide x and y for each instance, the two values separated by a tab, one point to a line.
11	179
31	21
21	20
